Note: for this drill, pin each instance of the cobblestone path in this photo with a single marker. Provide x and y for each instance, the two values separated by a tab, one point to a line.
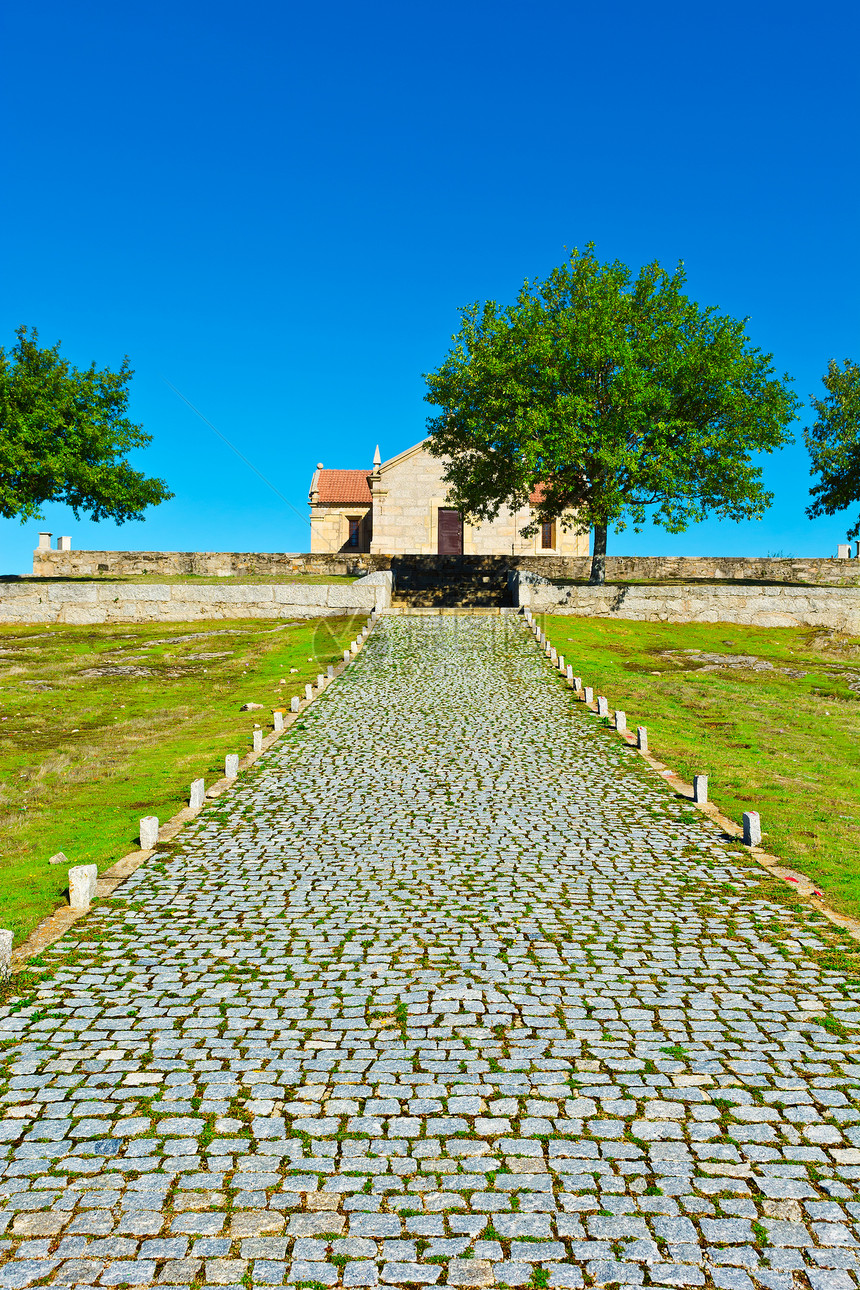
449	989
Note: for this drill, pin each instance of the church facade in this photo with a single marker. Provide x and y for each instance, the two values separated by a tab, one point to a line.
399	507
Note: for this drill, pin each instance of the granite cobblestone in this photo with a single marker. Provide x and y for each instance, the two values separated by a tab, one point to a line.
448	989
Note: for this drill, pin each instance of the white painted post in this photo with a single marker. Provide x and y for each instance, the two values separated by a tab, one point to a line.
346	656
309	691
620	720
231	765
278	720
294	703
589	694
553	657
700	789
353	647
82	885
602	706
258	741
6	939
642	738
560	663
752	829
569	672
329	671
198	791
577	683
320	680
148	832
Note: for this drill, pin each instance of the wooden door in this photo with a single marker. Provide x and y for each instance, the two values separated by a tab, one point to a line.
450	532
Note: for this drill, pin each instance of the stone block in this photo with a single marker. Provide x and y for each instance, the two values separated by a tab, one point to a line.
278	720
6	939
198	790
294	703
148	832
700	789
231	765
329	671
589	694
82	885
602	706
309	691
577	682
258	741
752	829
620	720
642	738
59	858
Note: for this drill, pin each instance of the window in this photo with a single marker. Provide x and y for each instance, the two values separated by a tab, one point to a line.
354	528
547	535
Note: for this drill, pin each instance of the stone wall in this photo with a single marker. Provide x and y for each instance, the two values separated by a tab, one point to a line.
754	606
118	564
124	602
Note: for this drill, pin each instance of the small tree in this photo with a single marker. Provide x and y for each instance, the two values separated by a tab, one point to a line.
609	395
64	436
834	443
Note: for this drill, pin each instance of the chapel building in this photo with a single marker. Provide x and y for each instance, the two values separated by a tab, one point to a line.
399	507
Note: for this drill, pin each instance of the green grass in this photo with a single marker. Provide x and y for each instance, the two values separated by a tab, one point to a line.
82	758
784	746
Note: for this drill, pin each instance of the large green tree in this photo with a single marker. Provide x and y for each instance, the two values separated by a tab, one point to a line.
64	436
612	394
834	443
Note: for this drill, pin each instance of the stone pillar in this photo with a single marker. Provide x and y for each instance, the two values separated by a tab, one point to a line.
700	789
278	719
148	832
752	829
231	765
258	741
64	544
198	789
642	738
44	542
82	885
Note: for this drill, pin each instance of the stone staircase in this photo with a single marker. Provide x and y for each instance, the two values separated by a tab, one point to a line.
440	583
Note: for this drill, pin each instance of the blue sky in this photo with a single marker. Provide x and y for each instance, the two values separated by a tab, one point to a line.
279	208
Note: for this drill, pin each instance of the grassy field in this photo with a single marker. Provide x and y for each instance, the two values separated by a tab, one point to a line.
770	715
101	725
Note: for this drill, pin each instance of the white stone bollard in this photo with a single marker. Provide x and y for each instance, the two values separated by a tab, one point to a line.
231	765
294	703
198	791
82	885
589	694
577	683
258	741
353	647
329	671
320	680
346	656
752	829
642	738
569	672
309	691
551	654
700	789
560	663
6	939
148	832
602	706
620	720
278	720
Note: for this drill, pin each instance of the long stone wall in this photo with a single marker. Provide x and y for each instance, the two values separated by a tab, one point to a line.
754	606
123	602
117	564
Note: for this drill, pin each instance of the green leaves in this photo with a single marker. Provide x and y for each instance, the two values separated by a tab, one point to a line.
64	436
619	396
834	443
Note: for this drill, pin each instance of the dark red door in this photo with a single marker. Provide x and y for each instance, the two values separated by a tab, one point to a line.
450	532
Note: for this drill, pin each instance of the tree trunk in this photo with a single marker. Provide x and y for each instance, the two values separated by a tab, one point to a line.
598	559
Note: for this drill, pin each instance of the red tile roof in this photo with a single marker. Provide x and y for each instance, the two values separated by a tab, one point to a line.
343	488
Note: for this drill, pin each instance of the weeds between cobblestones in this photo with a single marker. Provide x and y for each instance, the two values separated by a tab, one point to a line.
449	990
